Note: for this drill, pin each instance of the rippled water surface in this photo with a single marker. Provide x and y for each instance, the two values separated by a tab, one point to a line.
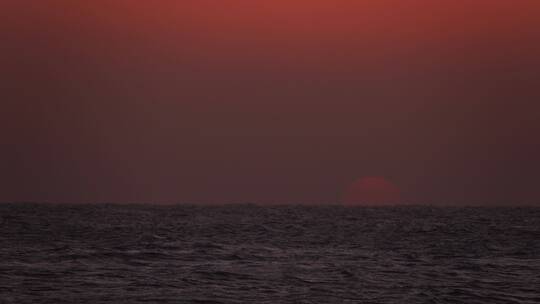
250	254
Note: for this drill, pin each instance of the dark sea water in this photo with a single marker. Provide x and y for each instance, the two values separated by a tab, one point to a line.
250	254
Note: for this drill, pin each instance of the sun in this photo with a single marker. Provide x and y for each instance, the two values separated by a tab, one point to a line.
372	191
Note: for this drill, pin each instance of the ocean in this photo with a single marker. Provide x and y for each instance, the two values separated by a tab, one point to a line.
260	254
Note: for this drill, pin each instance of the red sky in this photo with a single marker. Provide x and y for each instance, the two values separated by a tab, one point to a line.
269	101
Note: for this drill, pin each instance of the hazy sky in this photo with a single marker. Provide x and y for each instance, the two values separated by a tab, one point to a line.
269	101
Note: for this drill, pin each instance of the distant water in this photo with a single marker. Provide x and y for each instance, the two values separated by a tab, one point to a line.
250	254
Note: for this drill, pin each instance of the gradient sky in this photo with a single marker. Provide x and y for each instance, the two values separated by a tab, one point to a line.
282	101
